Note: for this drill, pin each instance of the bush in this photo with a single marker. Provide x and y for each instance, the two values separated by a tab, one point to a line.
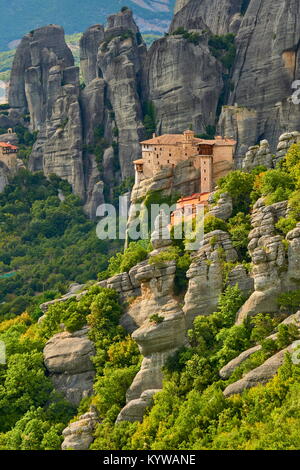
276	184
290	301
212	223
240	186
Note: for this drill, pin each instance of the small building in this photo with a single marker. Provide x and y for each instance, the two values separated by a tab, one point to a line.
187	206
213	158
8	154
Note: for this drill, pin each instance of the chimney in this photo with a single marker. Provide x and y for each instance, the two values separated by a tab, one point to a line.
153	135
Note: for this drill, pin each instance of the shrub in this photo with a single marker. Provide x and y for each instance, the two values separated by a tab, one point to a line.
155	318
290	301
240	186
212	223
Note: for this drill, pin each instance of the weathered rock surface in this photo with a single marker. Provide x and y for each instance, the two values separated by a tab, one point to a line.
79	434
285	141
267	62
220	17
135	409
223	208
89	44
258	155
184	82
261	375
205	275
120	62
239	276
273	269
67	357
161	331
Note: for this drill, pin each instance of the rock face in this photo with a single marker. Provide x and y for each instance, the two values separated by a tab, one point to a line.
172	63
220	17
260	375
161	331
223	208
205	275
135	409
285	141
45	83
120	62
89	44
79	434
239	276
274	270
67	357
258	155
267	62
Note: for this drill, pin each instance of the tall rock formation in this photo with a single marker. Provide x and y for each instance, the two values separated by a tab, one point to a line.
121	60
275	269
267	63
184	82
89	44
220	17
45	83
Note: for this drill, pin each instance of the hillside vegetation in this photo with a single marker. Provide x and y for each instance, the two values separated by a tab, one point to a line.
191	411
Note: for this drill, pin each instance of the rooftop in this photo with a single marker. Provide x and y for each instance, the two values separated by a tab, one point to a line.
173	139
8	145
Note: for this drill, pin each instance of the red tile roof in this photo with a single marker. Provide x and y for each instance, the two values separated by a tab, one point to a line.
173	139
8	145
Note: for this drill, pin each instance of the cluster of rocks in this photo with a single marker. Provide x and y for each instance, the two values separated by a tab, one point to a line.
258	155
206	275
285	141
223	208
79	434
158	337
274	269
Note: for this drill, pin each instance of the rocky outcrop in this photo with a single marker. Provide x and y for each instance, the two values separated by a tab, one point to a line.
285	141
89	44
261	375
162	329
32	55
258	155
135	409
240	276
229	368
267	63
184	82
79	434
220	17
120	62
205	275
274	269
67	357
45	83
223	208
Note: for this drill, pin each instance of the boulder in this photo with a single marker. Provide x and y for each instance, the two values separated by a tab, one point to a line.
79	434
67	357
